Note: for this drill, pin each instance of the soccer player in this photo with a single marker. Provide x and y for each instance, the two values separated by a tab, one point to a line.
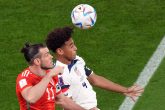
37	86
77	78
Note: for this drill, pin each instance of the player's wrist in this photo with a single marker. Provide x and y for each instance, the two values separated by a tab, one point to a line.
126	90
49	75
53	73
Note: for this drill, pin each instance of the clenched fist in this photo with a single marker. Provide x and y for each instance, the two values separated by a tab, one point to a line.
56	70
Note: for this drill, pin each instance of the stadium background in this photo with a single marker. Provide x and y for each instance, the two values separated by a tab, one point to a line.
123	39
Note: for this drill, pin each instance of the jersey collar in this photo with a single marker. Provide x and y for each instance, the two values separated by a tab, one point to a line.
60	64
68	66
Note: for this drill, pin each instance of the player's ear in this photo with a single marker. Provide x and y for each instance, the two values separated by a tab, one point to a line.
37	61
60	51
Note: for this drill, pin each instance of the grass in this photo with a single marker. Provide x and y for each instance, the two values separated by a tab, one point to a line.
154	92
119	45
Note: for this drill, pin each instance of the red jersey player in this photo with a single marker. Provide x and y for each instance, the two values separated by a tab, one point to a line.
37	86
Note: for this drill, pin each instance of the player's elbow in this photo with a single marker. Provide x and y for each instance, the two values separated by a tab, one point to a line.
30	95
31	99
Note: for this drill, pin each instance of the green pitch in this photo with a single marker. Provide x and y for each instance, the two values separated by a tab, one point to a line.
123	39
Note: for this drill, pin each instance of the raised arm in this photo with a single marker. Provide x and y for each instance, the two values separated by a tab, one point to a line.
34	93
106	84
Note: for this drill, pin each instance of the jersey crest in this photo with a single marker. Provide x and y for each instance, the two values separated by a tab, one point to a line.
22	83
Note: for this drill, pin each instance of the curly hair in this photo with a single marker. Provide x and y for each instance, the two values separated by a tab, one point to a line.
57	38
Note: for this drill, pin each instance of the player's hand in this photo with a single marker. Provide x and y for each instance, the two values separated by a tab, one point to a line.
134	91
56	70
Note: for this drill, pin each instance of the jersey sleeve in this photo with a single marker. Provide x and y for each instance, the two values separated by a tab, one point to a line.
64	83
87	70
57	86
23	81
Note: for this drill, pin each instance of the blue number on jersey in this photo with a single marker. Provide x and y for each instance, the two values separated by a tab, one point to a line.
84	84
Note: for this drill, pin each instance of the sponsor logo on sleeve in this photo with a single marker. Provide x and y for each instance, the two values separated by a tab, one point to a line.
22	83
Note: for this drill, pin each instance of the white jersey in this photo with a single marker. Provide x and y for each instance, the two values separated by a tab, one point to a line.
74	83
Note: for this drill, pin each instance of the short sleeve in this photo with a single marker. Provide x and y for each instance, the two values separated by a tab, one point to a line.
88	71
23	82
57	86
64	83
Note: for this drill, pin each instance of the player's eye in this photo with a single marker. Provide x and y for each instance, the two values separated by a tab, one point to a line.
71	46
47	54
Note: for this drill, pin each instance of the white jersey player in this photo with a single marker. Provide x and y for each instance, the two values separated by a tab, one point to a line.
74	83
76	77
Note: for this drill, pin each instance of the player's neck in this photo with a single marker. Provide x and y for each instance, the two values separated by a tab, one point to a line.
63	60
37	70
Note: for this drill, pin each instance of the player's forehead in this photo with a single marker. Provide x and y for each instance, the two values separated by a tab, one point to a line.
43	51
69	42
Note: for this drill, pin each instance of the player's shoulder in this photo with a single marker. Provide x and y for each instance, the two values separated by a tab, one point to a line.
79	59
25	73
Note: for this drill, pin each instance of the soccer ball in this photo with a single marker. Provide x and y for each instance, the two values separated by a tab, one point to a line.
84	16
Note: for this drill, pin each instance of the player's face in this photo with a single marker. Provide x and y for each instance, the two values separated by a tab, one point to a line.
46	60
69	50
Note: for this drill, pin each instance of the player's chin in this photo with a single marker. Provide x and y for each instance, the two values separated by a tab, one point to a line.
51	65
74	56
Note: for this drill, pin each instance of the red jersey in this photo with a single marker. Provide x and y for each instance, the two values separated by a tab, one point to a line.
47	101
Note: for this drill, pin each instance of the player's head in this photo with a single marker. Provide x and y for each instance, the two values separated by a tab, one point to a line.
37	54
60	42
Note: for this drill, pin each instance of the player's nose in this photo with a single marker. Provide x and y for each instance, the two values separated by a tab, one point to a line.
51	56
75	48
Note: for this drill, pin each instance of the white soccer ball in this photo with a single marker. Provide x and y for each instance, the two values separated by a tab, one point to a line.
84	16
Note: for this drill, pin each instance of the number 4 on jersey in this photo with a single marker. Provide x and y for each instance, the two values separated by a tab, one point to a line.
84	84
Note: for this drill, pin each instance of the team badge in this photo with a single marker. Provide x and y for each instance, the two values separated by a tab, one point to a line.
22	83
58	88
